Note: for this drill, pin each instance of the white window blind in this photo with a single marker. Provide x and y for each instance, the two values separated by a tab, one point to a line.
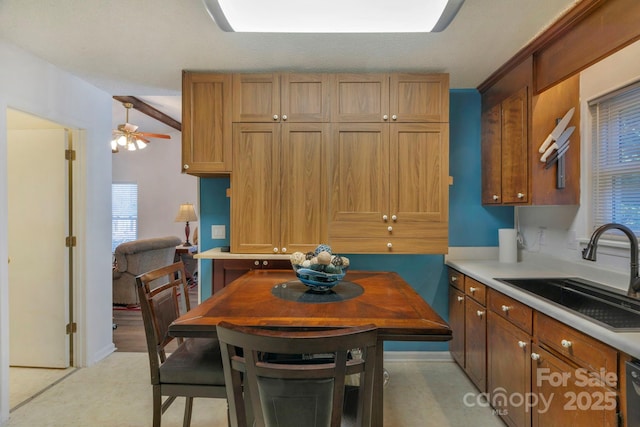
616	158
124	213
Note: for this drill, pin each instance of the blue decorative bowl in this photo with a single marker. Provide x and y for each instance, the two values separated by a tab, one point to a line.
318	281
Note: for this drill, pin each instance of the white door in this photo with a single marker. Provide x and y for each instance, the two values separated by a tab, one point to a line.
39	267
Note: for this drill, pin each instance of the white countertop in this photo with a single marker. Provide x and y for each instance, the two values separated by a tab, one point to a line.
216	253
485	270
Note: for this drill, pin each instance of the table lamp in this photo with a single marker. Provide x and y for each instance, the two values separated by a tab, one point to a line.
185	214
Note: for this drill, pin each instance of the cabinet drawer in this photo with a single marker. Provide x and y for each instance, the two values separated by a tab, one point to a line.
512	310
475	290
579	348
456	279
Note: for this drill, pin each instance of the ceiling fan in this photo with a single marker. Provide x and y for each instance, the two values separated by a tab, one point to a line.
127	135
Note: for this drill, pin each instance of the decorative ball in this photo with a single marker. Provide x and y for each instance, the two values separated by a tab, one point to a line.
310	255
324	258
322	248
297	258
337	260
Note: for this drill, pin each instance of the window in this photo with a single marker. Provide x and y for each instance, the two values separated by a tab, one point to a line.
124	213
616	158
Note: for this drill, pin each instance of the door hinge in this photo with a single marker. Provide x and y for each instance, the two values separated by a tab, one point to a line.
72	328
69	154
70	241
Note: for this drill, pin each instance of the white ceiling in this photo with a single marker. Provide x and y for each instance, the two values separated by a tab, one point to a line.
140	47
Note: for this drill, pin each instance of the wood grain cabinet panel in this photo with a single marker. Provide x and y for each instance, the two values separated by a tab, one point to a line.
206	123
457	325
226	271
360	98
508	369
476	343
419	98
566	397
279	172
505	151
256	98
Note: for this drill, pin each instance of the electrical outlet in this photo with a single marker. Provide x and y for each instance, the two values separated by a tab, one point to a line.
218	232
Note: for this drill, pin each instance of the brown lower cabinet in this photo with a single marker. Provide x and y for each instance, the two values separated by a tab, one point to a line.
539	371
226	271
508	370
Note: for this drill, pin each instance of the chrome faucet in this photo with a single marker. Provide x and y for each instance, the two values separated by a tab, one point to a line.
589	253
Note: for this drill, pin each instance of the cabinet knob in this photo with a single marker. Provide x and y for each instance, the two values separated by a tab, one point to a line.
284	250
265	262
385	218
566	343
275	117
394	117
522	344
394	218
454	278
520	195
284	117
535	356
460	299
390	229
472	289
275	250
389	245
256	262
495	197
185	167
385	117
505	308
480	313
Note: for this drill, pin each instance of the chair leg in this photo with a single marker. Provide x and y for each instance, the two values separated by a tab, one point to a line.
188	406
157	406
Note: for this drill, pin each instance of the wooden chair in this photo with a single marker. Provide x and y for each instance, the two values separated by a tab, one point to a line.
194	368
296	378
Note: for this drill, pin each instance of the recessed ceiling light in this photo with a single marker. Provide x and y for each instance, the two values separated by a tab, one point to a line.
333	16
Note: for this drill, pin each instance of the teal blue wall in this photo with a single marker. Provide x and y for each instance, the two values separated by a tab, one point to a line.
470	223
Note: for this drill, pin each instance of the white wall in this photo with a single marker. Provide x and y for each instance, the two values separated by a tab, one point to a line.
161	186
34	86
566	229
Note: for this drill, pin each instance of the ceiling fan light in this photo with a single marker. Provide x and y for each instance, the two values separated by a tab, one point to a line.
140	143
114	145
333	16
121	140
131	146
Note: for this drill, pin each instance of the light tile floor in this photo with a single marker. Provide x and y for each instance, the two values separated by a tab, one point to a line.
116	392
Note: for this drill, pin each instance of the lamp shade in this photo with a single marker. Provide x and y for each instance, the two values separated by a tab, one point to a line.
186	213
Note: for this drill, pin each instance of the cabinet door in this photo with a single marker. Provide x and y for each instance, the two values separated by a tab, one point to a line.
255	188
256	98
508	369
304	184
206	123
226	271
360	98
492	156
305	97
419	98
515	157
476	343
419	184
567	397
360	176
456	322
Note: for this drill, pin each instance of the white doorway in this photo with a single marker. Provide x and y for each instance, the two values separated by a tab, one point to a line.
38	220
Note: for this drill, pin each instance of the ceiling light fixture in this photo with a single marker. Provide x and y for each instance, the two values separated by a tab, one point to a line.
333	16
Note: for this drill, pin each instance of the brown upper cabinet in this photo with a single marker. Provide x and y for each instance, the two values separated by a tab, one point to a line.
390	98
281	97
206	123
504	151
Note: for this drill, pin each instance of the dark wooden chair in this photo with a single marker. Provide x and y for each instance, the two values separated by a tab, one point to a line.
194	368
293	378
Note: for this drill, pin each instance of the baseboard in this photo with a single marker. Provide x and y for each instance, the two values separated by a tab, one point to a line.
417	356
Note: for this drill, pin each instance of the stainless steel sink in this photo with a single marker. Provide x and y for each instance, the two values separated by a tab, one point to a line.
606	306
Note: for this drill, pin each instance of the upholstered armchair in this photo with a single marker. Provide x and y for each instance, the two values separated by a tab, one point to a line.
138	257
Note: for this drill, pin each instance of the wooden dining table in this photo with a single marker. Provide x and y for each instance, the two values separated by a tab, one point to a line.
276	298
